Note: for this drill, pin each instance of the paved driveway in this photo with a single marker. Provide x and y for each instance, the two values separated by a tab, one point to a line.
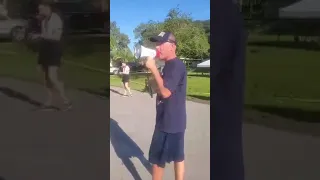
75	145
49	145
132	125
269	154
276	155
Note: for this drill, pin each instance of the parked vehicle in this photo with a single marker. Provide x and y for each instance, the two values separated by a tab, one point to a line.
12	28
114	70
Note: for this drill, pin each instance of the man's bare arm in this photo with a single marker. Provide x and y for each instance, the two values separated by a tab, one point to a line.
162	90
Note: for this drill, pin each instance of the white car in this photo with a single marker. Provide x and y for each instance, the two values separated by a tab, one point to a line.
11	28
114	70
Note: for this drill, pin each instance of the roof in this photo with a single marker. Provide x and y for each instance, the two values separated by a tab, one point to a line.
204	64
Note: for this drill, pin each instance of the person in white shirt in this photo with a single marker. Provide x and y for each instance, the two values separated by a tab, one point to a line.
125	78
50	53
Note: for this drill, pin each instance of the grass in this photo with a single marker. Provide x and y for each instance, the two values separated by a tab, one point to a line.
282	78
282	75
19	62
198	86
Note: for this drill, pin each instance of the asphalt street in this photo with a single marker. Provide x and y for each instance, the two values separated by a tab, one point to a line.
88	141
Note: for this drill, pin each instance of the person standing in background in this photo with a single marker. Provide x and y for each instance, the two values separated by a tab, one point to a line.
125	78
50	54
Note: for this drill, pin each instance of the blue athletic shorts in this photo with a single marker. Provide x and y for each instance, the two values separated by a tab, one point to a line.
166	147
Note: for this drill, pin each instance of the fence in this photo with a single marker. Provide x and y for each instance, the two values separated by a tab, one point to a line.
191	63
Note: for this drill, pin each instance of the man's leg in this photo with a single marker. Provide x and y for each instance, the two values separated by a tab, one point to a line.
124	88
156	154
126	84
157	172
48	85
176	145
179	170
57	84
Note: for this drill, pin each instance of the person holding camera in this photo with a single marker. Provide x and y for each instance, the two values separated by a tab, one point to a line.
168	139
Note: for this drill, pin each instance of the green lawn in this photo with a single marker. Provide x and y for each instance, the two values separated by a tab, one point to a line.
19	62
198	86
279	74
282	76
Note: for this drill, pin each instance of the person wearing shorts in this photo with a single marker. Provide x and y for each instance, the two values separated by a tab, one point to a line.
167	143
126	78
50	54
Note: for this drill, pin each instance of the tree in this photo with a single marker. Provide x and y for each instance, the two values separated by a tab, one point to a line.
119	44
122	40
191	37
145	31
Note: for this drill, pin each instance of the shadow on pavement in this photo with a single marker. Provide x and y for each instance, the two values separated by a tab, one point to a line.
2	178
20	96
115	91
104	92
126	148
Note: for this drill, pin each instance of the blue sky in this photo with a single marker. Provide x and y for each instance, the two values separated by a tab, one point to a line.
130	13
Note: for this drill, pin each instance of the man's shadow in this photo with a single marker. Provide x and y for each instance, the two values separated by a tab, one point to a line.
20	96
126	148
115	91
102	93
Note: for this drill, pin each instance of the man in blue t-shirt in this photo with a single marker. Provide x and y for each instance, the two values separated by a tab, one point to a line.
168	139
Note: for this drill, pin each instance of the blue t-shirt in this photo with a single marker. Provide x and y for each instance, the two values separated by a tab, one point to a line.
171	112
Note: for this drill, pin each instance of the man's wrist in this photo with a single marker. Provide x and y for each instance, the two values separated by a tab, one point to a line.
157	78
154	70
